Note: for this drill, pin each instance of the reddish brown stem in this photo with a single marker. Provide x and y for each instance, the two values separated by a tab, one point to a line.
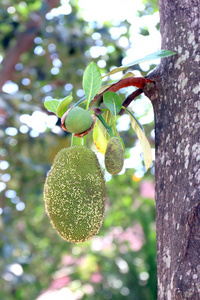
130	81
129	99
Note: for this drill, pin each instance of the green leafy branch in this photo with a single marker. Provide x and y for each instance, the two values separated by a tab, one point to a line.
95	95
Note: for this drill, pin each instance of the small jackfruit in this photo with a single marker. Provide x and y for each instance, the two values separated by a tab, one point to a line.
78	120
114	156
75	194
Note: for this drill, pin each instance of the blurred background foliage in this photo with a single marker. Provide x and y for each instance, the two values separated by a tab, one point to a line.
35	263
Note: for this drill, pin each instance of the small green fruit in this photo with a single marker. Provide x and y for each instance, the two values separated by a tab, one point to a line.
75	194
78	120
114	156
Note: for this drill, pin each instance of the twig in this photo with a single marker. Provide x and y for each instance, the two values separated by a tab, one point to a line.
129	99
130	81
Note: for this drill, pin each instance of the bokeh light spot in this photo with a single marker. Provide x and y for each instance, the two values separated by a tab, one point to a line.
10	87
2	186
20	206
10	194
4	165
12	131
23	129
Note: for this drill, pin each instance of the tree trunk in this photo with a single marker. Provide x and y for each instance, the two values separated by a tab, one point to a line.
176	105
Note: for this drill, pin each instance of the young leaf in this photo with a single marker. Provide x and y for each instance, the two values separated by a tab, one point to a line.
100	137
103	88
63	105
136	120
152	56
100	133
52	105
127	75
146	148
113	102
91	82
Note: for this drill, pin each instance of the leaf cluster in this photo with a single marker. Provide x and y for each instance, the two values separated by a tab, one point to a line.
92	81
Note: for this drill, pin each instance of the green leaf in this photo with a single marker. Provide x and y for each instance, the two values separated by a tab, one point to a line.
113	102
152	56
63	105
36	5
146	148
52	105
91	82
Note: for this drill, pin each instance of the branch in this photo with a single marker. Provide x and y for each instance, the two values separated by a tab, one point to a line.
139	82
129	99
130	81
25	41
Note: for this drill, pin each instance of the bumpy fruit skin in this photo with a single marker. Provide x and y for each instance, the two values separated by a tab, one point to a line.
114	156
78	120
75	194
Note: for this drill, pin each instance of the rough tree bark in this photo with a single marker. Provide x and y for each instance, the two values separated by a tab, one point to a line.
176	105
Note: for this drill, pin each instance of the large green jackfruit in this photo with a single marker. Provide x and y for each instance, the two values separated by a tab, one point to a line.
75	194
114	156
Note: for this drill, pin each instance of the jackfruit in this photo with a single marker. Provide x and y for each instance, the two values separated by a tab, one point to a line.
78	120
114	156
75	194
